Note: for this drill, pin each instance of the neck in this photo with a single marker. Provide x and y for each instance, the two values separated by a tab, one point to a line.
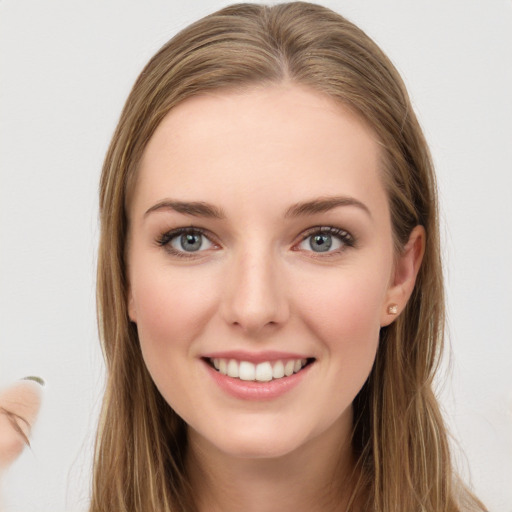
314	477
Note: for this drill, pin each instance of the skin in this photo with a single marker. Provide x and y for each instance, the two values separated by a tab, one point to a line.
22	400
257	284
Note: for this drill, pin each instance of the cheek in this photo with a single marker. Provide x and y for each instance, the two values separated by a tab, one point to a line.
346	301
170	306
171	312
345	315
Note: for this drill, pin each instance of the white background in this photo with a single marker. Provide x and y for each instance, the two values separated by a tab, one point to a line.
66	67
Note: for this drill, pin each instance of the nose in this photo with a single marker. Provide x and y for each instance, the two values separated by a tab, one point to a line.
255	297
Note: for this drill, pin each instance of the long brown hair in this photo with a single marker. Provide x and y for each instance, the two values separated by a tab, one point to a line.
399	436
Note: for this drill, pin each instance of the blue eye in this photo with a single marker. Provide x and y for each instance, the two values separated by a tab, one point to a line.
182	241
326	239
190	242
320	243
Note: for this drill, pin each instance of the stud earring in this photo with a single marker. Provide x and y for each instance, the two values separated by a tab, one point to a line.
393	309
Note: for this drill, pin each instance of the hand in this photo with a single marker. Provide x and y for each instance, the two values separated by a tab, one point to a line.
19	405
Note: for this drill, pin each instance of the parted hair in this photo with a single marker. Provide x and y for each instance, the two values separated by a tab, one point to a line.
399	438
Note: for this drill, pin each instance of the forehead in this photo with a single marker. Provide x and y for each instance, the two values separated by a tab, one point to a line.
273	144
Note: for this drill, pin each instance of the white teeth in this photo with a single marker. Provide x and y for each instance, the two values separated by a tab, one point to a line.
233	368
264	372
278	370
247	371
288	368
261	372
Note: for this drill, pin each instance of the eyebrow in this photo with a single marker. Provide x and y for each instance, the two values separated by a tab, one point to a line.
202	209
324	204
195	208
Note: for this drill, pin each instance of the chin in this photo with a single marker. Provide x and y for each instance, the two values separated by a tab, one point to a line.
256	442
259	448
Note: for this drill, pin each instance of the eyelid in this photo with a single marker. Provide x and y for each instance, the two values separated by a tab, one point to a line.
164	240
346	238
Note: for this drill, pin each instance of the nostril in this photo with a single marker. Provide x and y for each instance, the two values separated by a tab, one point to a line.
253	296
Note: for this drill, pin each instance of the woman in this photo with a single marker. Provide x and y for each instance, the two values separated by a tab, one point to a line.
269	279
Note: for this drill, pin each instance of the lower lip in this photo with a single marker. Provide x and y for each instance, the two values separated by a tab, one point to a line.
253	390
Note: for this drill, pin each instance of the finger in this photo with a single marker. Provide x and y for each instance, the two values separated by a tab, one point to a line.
19	406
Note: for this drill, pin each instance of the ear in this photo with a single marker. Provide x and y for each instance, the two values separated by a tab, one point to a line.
407	265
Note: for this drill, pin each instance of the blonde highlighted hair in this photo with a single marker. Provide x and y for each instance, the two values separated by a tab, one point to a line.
399	437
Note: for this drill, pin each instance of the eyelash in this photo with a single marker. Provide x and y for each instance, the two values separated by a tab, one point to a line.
166	238
346	239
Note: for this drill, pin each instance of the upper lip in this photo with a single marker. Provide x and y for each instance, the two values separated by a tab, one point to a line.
255	357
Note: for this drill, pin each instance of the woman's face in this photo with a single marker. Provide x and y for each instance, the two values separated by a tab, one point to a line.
260	243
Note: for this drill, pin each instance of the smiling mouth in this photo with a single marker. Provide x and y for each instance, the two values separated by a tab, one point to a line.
265	371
